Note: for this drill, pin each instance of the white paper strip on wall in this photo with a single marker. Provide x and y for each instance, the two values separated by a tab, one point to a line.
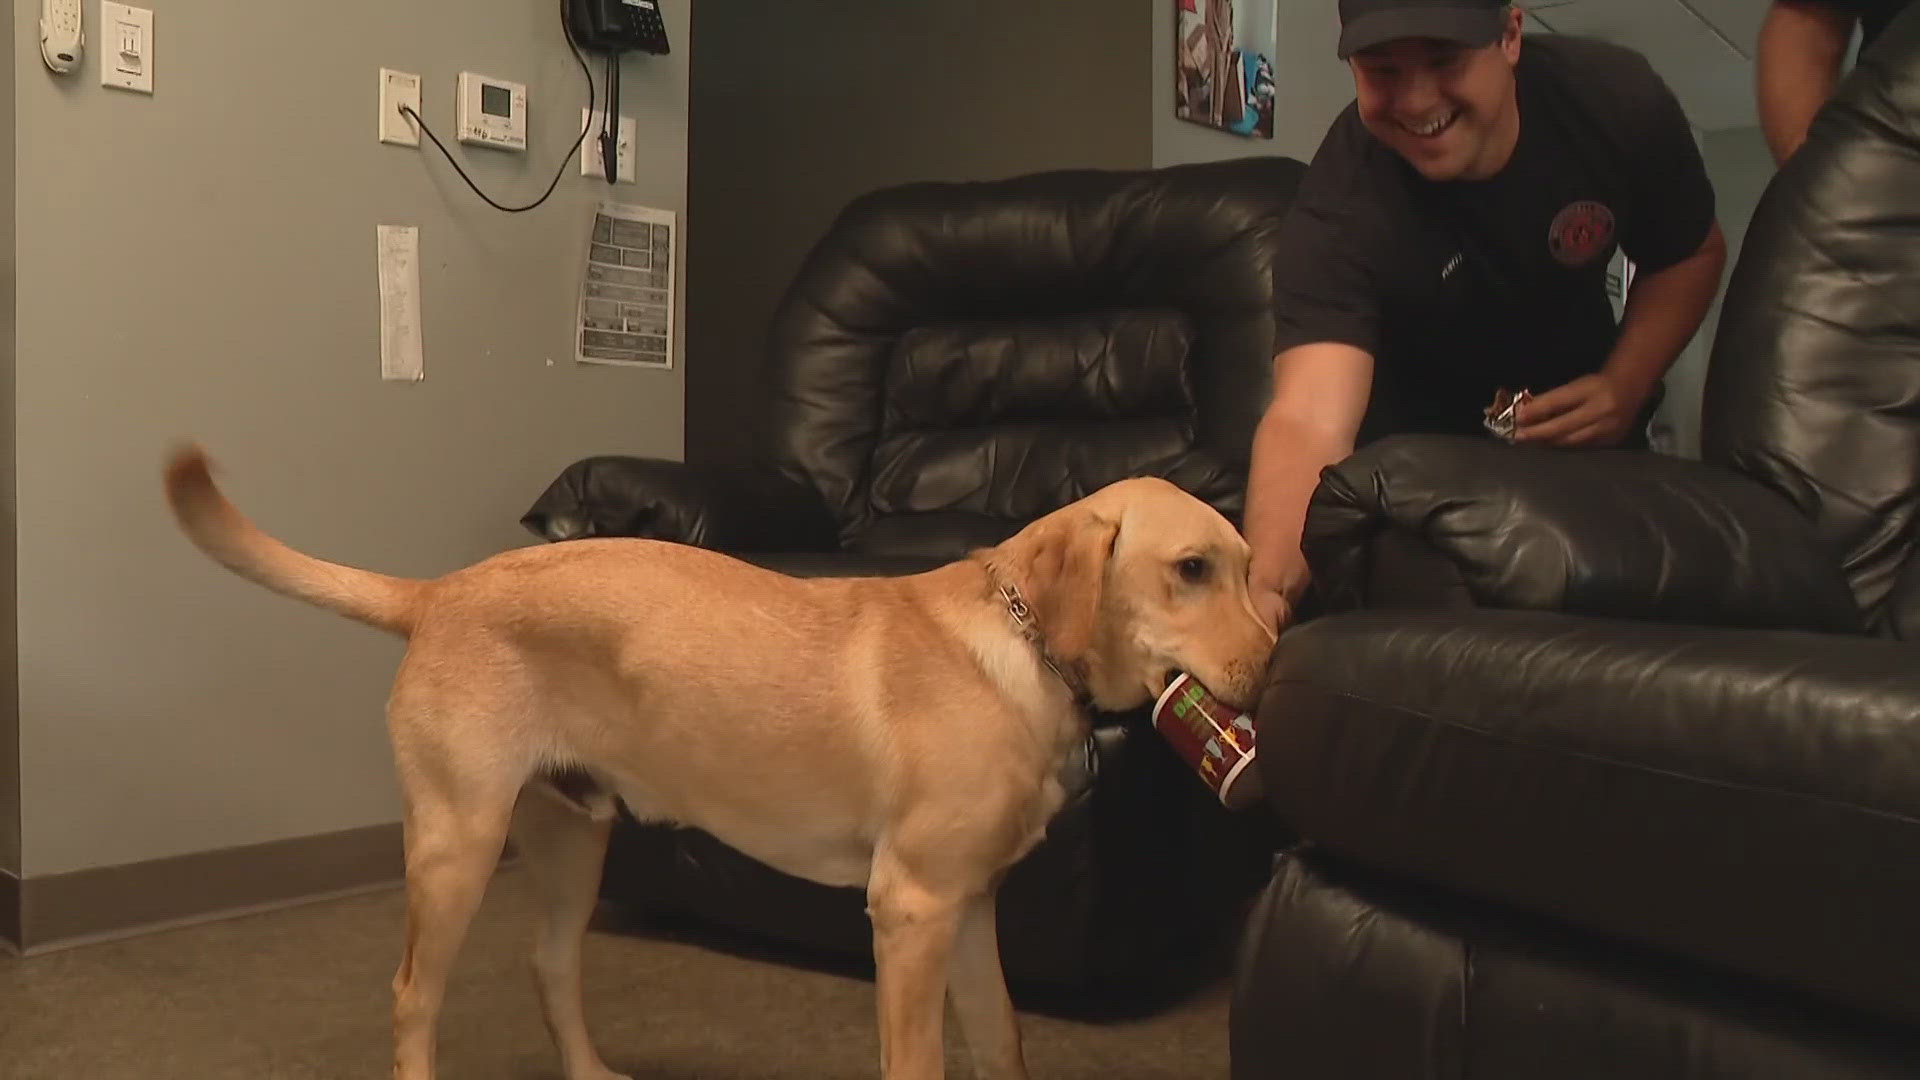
627	291
400	352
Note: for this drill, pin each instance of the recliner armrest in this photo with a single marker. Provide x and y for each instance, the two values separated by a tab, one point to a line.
1626	534
724	508
1750	799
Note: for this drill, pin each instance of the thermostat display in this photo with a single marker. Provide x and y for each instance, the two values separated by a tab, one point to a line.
493	112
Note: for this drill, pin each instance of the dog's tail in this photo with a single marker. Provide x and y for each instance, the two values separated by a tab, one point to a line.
218	528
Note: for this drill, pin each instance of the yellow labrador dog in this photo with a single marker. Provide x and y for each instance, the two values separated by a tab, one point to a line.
901	734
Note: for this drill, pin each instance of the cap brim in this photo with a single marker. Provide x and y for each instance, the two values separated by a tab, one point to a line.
1474	27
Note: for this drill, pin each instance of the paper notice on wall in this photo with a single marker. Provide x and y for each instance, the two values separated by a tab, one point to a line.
400	354
626	295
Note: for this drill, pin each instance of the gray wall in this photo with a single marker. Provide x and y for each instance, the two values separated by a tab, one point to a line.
200	263
1676	423
797	108
1311	85
1740	167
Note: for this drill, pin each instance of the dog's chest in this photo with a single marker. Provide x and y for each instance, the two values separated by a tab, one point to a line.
1040	703
1074	770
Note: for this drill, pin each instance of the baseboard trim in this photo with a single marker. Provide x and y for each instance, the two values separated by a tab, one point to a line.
62	910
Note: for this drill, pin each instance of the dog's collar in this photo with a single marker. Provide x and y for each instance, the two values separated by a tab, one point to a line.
1022	616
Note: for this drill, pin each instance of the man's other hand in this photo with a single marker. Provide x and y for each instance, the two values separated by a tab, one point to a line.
1591	411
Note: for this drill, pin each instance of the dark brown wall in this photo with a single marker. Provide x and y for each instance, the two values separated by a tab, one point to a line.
797	107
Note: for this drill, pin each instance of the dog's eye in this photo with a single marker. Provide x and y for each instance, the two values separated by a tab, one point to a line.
1192	568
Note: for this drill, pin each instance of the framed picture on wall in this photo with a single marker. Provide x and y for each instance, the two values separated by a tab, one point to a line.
1223	64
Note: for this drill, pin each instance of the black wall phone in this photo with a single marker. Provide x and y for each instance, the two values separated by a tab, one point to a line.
614	27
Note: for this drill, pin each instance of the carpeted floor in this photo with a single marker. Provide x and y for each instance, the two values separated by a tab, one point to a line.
302	994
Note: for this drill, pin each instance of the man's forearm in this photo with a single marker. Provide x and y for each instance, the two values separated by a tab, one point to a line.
1797	64
1663	312
1288	456
1320	394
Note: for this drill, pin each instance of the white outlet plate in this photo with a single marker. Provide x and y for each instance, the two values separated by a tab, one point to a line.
590	146
126	47
399	88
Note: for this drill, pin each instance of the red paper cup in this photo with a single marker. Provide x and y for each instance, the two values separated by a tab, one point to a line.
1214	740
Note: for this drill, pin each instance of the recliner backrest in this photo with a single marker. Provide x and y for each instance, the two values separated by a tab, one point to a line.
989	351
1814	382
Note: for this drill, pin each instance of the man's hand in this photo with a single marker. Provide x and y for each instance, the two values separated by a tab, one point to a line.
1664	309
1593	410
1272	607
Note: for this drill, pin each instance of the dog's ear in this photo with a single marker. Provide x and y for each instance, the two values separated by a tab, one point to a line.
1066	573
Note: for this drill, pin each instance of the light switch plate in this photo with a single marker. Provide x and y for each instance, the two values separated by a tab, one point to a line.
590	147
399	88
126	47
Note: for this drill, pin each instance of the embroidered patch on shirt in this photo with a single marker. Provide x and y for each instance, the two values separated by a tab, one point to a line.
1580	232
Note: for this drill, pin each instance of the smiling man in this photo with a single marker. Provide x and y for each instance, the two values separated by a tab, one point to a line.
1451	239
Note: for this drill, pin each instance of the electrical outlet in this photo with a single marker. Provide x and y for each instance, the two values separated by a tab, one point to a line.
399	88
590	147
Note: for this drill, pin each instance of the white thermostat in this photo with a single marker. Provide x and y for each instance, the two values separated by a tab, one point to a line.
493	112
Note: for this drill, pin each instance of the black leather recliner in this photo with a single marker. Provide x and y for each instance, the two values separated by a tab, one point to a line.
1607	764
952	361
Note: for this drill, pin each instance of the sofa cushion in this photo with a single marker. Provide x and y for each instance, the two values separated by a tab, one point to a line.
944	535
1813	387
1747	798
1011	418
1446	989
1006	347
809	564
1102	366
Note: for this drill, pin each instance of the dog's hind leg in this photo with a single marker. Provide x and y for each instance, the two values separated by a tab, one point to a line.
458	807
562	832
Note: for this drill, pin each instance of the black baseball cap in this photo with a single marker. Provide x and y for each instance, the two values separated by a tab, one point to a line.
1366	23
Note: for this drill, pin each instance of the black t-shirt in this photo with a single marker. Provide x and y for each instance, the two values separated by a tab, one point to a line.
1458	289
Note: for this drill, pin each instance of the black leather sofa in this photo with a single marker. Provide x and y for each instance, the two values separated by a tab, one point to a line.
951	361
1607	764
